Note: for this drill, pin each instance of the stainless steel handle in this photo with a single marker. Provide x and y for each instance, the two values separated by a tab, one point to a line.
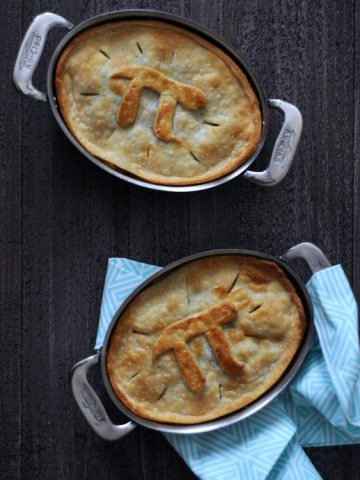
30	52
90	404
309	252
284	148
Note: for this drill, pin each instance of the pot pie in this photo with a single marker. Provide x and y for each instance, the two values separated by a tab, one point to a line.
157	101
206	340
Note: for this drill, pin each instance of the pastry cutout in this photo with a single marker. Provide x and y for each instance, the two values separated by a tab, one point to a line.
209	323
171	92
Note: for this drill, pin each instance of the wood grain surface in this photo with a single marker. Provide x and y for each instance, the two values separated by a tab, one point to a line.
61	218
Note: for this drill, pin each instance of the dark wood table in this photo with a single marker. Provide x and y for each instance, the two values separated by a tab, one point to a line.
61	218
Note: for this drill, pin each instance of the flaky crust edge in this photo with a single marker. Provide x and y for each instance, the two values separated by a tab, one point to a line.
229	167
286	359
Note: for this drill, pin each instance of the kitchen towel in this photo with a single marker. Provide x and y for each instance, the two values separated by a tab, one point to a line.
320	407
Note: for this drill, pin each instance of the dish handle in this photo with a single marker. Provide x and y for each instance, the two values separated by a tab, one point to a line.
30	52
91	405
309	252
284	148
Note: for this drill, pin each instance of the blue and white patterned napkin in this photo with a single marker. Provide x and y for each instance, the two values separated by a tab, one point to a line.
320	407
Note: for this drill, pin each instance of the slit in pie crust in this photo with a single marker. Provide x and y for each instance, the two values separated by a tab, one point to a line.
208	339
157	101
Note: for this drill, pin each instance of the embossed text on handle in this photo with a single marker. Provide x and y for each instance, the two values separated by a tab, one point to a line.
89	403
285	147
31	51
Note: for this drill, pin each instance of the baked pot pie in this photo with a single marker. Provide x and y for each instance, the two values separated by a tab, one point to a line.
157	101
206	340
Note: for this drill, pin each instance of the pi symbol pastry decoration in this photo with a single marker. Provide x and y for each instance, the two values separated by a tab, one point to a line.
209	323
171	92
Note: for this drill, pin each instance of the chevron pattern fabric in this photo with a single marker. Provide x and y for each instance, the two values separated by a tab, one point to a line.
321	406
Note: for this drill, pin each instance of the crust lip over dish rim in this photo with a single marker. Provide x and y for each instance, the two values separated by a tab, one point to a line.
171	418
226	167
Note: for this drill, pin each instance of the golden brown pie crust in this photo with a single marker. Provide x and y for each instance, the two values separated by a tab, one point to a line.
157	101
206	340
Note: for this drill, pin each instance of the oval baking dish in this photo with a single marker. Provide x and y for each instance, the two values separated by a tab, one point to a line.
234	326
217	153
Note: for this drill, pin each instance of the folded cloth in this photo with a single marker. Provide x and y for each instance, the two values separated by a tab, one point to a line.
320	407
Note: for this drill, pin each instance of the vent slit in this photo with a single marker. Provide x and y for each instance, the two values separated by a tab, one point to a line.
220	394
148	151
187	290
89	94
133	376
233	283
255	308
139	47
195	157
140	332
212	124
104	53
162	393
